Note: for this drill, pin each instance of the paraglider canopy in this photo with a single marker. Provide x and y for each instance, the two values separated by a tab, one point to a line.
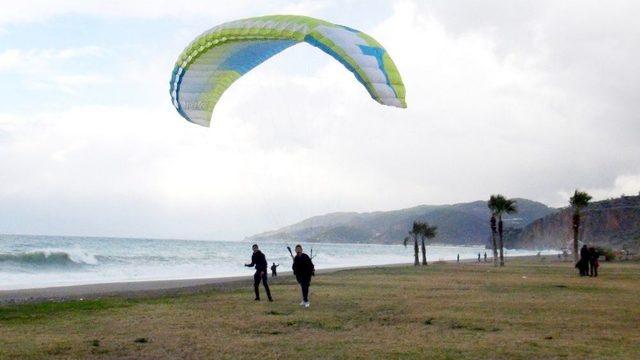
221	55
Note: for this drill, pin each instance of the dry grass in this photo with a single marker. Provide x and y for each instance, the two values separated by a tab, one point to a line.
526	310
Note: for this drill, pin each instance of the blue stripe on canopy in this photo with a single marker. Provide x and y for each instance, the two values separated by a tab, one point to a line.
311	40
246	57
378	52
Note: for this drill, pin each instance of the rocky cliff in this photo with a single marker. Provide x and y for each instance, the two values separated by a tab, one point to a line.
613	222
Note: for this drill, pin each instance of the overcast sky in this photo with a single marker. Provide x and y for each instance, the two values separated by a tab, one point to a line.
526	98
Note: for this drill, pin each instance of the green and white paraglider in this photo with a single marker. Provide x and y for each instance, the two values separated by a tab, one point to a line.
220	56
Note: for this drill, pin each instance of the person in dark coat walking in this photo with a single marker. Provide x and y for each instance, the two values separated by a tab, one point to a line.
583	263
260	262
303	269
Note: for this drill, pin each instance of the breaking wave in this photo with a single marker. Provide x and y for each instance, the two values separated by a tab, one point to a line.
43	258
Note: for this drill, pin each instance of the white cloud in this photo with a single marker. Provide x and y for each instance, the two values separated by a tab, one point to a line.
508	99
35	60
52	69
39	10
622	185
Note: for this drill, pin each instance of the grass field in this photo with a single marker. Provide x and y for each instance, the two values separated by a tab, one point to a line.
529	309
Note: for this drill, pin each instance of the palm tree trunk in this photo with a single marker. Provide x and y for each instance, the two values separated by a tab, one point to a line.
493	240
424	253
415	250
576	233
500	231
495	249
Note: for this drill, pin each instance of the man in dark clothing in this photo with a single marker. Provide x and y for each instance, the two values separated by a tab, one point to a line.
274	270
485	256
593	262
303	269
583	263
260	262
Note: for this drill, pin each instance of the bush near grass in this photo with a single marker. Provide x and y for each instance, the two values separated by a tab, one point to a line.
608	253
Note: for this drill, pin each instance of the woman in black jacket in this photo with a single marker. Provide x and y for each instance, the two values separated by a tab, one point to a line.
303	269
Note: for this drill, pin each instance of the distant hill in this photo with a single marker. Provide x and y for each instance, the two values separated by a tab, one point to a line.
614	223
458	224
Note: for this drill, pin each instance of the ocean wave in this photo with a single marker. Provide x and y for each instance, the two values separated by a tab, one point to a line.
41	258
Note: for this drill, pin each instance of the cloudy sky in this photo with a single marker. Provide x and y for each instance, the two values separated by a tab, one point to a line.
526	98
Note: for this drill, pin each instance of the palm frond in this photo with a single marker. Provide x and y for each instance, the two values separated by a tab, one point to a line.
430	231
580	199
499	204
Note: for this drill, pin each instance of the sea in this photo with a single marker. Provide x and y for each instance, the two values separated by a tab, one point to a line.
29	261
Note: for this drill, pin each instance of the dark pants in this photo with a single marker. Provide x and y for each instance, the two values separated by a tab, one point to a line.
593	269
305	282
256	284
583	266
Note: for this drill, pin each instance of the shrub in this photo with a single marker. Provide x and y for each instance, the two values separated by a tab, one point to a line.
608	253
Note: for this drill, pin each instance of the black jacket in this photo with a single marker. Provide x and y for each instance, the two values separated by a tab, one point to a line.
259	261
584	253
303	266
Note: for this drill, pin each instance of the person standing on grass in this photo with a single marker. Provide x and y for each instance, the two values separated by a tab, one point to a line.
583	263
458	259
303	269
260	262
274	269
479	257
485	256
593	262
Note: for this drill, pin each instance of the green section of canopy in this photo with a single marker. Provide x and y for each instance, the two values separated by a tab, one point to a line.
220	56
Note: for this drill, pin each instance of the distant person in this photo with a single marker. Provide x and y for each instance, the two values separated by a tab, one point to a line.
593	262
303	269
583	263
458	259
274	269
260	262
479	257
485	256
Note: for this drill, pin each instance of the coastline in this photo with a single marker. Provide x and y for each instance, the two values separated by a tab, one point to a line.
160	288
152	288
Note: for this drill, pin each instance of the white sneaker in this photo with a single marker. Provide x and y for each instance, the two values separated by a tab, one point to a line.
306	304
302	303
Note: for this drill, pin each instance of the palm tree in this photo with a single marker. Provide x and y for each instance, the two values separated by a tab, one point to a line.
492	206
414	233
502	205
578	201
426	232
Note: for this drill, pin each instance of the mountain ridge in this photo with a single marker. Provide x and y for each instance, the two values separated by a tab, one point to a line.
458	224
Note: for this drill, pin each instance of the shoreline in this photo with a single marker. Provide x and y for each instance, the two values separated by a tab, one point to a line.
159	288
149	288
